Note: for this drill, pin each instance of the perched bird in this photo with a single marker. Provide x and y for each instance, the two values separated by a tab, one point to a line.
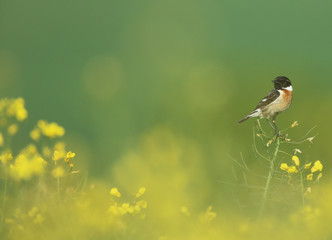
276	101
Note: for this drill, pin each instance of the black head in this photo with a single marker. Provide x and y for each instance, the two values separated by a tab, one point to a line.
281	82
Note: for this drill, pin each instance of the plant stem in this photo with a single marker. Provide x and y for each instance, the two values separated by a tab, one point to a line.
269	177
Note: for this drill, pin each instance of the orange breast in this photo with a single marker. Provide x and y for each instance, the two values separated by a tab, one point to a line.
286	99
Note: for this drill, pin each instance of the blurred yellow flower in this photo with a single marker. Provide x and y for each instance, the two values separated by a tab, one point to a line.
35	134
142	204
12	129
307	165
56	156
317	167
15	108
47	152
115	192
141	191
307	192
39	219
33	211
51	130
309	177
30	150
6	157
1	139
60	148
26	167
292	169
296	160
58	172
284	166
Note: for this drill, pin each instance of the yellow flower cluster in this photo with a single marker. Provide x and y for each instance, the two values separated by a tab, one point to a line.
318	166
119	209
13	108
291	169
19	217
60	153
50	130
115	192
6	157
11	112
27	164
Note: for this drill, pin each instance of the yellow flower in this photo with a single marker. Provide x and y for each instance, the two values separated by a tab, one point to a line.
30	150
26	166
35	134
58	172
69	156
12	129
292	169
141	191
307	165
284	166
317	167
56	156
115	192
142	204
307	192
6	157
39	219
16	109
51	130
61	150
33	212
309	176
131	209
47	152
296	160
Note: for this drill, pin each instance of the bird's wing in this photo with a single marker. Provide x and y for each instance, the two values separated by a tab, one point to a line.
270	97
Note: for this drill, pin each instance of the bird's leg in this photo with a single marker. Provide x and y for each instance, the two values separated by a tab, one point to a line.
273	126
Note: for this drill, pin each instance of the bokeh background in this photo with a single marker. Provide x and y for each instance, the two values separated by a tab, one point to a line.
150	92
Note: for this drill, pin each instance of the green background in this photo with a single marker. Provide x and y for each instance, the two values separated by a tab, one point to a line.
112	71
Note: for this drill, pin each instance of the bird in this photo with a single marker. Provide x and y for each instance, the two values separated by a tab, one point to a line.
276	101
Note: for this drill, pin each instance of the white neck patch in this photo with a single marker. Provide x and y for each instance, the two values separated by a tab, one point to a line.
289	88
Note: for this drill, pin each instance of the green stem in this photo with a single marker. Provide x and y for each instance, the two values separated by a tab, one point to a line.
269	178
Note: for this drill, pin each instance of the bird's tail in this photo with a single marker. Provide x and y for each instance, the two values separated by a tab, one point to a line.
243	119
254	113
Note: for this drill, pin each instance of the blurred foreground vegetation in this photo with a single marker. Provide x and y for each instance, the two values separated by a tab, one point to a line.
44	195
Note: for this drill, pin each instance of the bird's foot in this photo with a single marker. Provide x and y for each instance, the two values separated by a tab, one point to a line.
280	135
